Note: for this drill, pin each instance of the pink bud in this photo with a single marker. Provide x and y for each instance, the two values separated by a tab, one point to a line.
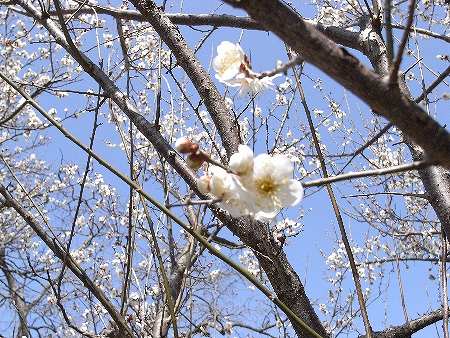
195	160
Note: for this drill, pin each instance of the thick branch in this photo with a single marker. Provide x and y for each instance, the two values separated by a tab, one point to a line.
337	34
408	329
384	99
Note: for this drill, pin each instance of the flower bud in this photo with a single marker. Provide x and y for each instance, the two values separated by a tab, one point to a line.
242	162
203	184
195	160
185	146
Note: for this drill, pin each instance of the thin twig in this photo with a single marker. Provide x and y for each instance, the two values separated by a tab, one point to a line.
425	32
424	196
82	186
283	68
337	212
389	37
435	83
195	202
129	238
367	173
393	76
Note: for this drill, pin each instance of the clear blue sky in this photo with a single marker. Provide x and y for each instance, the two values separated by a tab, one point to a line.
320	228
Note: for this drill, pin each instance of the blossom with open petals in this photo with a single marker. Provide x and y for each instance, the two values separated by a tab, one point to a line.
249	82
228	61
233	68
272	186
259	186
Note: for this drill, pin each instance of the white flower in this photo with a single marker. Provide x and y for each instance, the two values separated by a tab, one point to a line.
203	184
234	198
259	186
272	186
233	68
250	83
228	61
241	162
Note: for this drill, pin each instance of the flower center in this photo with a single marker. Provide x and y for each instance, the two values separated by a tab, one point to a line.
267	186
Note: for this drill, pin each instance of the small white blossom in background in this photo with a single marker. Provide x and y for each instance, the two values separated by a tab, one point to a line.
214	275
443	57
249	261
257	186
108	38
233	68
228	328
289	227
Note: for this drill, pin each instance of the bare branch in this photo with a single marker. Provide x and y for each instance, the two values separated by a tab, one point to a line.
63	255
393	76
411	327
376	172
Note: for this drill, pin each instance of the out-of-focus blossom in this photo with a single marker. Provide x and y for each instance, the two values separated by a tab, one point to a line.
241	162
233	68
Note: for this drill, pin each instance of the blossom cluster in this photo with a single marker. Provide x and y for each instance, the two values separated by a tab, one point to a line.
257	186
233	68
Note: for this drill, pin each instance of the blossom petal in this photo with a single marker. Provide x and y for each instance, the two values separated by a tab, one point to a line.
290	194
242	161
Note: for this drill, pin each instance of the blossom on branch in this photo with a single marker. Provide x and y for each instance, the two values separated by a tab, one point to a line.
257	186
228	61
241	162
233	68
272	185
227	188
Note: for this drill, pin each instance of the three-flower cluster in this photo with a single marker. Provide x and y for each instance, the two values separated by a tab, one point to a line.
257	186
233	68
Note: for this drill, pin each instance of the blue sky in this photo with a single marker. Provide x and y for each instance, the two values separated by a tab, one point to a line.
320	229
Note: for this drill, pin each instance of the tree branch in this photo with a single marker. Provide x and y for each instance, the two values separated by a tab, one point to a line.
307	41
408	329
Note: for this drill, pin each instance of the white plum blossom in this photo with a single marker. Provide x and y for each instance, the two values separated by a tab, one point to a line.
272	185
259	186
203	184
241	162
227	187
233	68
228	61
249	82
